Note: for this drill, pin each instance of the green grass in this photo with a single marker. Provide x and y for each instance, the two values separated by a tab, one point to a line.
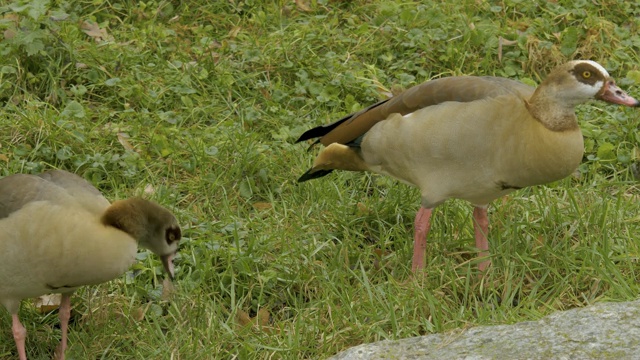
210	97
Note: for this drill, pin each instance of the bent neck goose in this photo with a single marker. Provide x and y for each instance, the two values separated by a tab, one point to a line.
467	137
57	233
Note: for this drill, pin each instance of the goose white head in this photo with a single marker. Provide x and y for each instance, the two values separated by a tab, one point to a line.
582	80
154	227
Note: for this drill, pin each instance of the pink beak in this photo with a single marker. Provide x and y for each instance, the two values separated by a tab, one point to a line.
613	94
167	263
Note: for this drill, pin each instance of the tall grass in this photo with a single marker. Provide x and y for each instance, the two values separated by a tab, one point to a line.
197	105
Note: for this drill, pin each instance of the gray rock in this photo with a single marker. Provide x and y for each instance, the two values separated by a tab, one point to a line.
601	331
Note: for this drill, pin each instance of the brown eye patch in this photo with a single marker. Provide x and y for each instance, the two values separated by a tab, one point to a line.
587	74
172	235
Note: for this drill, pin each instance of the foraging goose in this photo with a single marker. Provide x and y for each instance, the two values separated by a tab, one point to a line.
57	233
471	138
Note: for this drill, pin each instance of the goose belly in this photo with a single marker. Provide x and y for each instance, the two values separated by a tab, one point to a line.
46	248
473	155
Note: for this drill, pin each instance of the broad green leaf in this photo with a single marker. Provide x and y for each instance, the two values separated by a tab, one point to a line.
606	151
34	47
8	70
38	8
569	41
112	82
245	189
73	109
634	75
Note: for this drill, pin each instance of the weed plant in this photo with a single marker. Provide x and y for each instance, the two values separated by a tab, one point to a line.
197	105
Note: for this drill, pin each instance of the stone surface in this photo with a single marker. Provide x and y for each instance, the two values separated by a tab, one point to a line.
601	331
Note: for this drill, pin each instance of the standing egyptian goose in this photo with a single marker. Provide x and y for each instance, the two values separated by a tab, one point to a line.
470	138
57	233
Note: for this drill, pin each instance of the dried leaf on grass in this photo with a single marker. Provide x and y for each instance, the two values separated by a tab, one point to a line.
123	139
94	31
261	206
234	32
47	303
168	289
9	34
260	321
138	313
362	208
243	319
303	5
8	18
149	189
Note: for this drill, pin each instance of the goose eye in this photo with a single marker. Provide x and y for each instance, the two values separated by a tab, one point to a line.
586	74
172	235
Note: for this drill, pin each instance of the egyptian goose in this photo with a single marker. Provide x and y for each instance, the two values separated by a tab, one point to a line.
467	137
57	233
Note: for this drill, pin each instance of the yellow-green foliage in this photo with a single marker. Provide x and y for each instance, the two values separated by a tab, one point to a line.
196	104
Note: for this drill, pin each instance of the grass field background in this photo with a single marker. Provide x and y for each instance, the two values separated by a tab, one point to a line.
197	105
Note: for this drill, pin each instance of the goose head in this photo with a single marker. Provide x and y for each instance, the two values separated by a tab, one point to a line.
154	227
581	80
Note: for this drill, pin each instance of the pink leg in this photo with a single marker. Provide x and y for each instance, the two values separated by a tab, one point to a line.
481	227
19	334
422	226
64	313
